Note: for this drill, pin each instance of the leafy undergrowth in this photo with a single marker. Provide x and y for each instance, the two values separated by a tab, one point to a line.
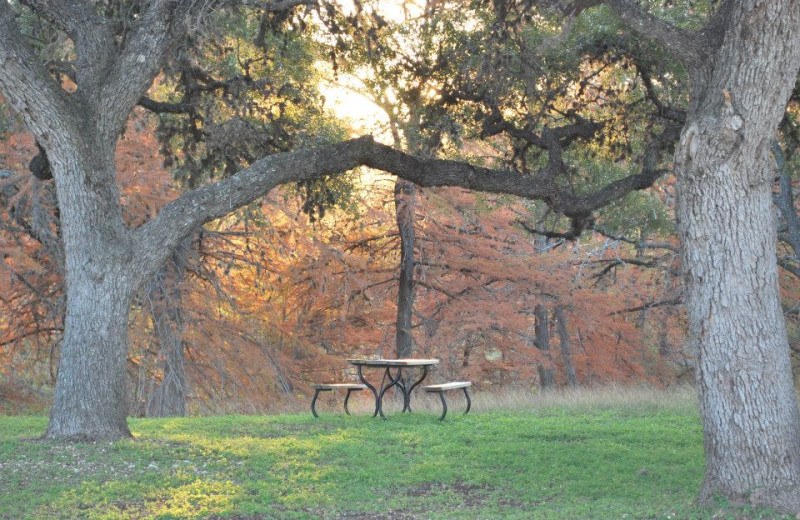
558	462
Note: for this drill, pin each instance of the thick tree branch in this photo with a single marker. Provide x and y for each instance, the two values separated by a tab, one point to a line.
688	47
648	175
276	5
27	85
68	15
94	41
212	201
155	34
161	107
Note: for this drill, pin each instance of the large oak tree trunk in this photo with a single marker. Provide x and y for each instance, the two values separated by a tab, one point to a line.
100	279
91	385
103	268
725	219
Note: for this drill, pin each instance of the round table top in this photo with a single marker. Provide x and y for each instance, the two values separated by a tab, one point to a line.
410	362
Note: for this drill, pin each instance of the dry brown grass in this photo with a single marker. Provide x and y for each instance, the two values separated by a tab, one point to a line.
606	396
596	397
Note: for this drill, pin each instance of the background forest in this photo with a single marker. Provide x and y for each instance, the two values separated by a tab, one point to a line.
254	307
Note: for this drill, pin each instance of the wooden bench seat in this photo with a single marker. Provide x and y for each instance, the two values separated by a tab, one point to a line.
325	387
444	387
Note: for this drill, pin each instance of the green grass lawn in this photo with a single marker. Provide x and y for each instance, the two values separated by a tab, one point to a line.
622	461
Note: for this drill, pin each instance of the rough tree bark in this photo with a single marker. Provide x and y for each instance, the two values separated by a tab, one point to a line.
545	367
743	67
405	202
566	358
164	295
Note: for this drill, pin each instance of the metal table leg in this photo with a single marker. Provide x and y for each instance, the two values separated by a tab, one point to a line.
372	389
393	381
407	404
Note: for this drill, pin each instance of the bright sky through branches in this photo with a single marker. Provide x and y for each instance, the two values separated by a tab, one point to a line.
342	94
362	115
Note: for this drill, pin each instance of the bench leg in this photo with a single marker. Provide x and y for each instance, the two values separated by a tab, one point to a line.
469	403
444	406
347	398
314	400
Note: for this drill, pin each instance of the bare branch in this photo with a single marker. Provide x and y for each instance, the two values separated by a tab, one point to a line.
616	262
276	5
638	244
34	332
784	199
577	228
650	305
790	266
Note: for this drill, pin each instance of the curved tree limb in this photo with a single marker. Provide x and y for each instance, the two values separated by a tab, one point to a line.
215	200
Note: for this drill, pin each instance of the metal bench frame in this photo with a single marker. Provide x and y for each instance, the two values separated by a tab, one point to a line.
441	389
350	387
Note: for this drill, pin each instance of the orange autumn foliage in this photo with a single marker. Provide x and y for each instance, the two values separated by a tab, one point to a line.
272	303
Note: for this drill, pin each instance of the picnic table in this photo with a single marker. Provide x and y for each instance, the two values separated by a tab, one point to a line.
389	365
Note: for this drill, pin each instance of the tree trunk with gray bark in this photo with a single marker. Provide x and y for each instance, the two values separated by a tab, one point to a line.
100	279
743	67
566	357
547	378
164	296
405	202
